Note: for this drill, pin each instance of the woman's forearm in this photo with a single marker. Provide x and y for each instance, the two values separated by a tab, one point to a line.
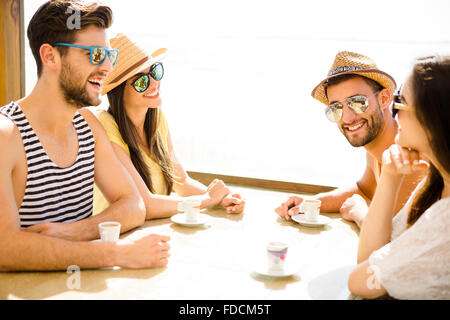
377	227
163	206
189	187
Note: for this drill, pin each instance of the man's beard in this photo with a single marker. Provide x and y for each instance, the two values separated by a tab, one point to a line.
74	90
374	127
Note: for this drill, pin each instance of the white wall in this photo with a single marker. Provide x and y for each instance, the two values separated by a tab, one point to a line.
240	73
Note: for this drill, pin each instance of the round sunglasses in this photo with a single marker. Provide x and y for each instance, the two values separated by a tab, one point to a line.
143	82
97	55
358	103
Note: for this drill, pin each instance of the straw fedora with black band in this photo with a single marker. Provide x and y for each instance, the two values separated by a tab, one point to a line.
354	63
132	60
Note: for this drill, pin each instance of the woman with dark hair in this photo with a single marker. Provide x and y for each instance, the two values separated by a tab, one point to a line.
141	140
408	257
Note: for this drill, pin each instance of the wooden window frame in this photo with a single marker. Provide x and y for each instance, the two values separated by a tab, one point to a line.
284	186
12	57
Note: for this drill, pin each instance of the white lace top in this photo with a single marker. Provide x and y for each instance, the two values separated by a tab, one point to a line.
416	263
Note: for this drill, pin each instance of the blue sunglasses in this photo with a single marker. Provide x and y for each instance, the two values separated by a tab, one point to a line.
97	54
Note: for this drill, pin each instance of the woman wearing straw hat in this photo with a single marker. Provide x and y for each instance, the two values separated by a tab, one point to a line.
141	140
408	257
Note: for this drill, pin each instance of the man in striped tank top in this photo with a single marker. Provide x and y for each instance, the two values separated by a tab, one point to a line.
54	151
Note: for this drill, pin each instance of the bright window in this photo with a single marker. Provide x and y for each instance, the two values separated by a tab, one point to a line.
239	75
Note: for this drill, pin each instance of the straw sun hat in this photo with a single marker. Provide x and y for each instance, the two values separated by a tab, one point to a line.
132	60
354	63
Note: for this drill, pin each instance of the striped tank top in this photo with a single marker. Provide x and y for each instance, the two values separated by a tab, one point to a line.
54	194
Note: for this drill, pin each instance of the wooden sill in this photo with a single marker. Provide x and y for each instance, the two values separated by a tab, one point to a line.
284	186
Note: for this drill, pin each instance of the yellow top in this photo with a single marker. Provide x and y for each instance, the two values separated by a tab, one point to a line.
112	129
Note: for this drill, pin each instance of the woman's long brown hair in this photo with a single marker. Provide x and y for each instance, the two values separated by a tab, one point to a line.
153	139
431	95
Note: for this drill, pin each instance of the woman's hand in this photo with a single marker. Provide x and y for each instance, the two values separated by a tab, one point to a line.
233	203
399	161
217	191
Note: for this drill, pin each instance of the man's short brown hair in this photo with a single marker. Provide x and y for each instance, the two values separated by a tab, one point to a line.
50	24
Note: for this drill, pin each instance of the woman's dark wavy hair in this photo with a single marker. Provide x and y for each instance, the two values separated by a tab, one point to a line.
431	98
158	150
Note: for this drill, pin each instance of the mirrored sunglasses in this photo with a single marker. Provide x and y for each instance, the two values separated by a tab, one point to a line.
97	54
359	104
143	82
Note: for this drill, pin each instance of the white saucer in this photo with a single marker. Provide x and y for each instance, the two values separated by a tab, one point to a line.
288	270
321	220
180	218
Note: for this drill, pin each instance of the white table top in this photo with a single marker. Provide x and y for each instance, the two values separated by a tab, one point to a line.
216	261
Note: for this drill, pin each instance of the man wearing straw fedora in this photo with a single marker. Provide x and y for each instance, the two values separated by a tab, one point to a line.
357	96
54	151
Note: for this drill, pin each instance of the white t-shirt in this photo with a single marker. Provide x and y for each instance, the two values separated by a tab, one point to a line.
416	263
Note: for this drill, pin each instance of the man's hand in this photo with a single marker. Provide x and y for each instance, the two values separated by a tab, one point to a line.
355	208
233	203
55	229
146	252
290	207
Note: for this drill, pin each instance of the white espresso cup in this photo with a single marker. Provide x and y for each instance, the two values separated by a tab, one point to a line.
276	255
311	209
191	208
109	231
